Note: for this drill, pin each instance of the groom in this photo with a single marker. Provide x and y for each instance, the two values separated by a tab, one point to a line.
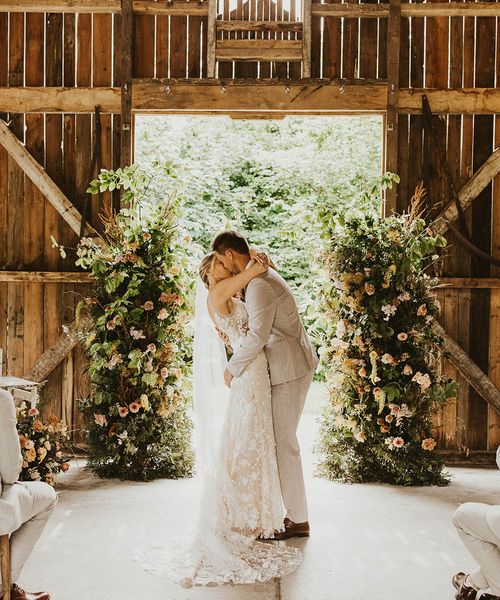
275	326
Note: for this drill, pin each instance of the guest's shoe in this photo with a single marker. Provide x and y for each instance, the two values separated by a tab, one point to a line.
464	592
18	593
292	530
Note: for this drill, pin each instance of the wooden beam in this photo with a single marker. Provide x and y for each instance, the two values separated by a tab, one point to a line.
152	7
468	368
391	122
45	277
53	356
451	101
192	8
44	183
427	9
238	95
476	184
127	50
464	283
371	95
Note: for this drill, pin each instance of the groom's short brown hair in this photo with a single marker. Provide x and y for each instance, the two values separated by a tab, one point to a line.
230	240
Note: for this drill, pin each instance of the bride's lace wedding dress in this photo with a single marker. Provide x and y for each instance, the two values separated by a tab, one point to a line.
241	499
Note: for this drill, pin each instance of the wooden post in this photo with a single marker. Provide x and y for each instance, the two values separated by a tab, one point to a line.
306	39
393	48
5	566
211	38
126	83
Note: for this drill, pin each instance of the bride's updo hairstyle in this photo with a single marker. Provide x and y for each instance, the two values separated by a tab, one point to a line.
205	266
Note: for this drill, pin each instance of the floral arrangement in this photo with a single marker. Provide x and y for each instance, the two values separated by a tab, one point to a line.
381	353
135	329
41	445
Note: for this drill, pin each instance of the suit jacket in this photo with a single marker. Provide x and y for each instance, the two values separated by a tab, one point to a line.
275	326
11	460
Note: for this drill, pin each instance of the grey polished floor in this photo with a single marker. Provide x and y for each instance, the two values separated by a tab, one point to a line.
369	542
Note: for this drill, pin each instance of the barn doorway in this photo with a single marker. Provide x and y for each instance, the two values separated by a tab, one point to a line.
268	178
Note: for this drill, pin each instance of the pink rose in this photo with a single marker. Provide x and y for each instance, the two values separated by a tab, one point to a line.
402	337
398	442
163	314
33	412
123	411
134	407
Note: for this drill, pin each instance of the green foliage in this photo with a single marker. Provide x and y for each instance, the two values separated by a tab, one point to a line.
380	351
135	328
269	180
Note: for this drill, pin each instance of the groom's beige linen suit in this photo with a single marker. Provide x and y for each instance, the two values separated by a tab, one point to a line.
25	507
275	326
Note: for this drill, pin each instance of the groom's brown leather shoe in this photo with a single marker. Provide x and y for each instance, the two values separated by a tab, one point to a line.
464	592
18	593
292	530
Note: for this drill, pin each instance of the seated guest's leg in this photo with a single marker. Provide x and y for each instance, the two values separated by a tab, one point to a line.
33	504
472	521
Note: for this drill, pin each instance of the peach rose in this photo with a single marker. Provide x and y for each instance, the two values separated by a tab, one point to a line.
38	426
398	442
163	314
369	289
122	411
402	337
30	455
428	444
64	467
134	407
360	436
148	305
422	310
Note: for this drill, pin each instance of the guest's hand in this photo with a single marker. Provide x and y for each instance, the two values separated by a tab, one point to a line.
228	377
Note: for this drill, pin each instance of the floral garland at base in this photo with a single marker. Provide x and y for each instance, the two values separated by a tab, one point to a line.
381	353
41	445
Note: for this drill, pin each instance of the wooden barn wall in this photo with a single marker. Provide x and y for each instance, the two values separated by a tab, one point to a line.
85	50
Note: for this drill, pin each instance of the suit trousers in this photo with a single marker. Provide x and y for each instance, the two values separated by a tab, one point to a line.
32	504
287	403
473	520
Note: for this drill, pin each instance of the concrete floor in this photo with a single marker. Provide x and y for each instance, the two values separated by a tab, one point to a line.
368	541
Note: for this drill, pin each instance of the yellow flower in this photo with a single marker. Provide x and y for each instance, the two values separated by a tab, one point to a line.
144	400
30	455
42	453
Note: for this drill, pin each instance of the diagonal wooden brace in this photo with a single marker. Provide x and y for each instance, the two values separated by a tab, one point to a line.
470	191
17	151
53	355
468	368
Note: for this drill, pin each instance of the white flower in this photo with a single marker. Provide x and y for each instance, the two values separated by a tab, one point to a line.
404	296
137	334
388	310
407	370
423	380
387	359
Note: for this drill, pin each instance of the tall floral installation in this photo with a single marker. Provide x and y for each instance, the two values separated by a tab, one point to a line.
42	445
138	342
381	353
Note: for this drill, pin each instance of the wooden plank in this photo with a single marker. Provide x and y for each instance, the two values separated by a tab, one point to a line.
127	36
368	54
481	213
480	100
258	44
39	176
494	349
332	45
402	191
178	38
307	40
262	26
211	37
194	46
393	57
162	35
350	47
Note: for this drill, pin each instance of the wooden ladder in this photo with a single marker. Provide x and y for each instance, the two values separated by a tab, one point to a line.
258	49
